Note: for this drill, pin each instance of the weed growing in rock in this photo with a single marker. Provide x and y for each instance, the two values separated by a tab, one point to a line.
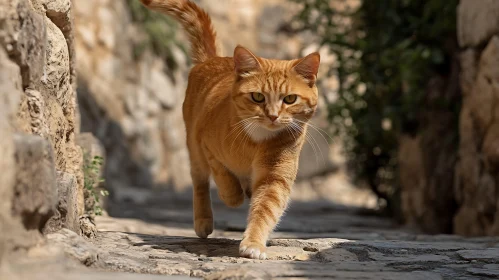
92	180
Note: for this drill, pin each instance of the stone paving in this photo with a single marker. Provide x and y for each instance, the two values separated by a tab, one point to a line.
314	240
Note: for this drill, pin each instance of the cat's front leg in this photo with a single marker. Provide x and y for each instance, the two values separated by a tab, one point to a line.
269	200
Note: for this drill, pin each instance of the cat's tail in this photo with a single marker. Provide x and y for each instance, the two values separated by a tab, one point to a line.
196	22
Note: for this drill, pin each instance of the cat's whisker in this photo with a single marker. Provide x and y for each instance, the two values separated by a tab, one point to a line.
234	130
296	133
309	141
245	120
247	130
318	129
313	143
324	138
241	130
250	130
239	124
318	147
244	128
289	130
245	136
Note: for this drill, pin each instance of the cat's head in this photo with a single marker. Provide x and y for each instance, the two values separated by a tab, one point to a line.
272	96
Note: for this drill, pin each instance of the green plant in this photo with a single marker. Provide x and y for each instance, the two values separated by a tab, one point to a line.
386	50
91	172
160	32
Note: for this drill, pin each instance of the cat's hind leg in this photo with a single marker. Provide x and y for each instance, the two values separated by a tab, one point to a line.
229	188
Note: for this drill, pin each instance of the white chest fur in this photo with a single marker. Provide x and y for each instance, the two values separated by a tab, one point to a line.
259	133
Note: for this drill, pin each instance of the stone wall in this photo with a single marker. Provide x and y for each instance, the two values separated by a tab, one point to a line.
477	185
41	182
453	186
131	104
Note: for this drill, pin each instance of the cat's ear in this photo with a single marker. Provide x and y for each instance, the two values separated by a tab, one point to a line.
246	63
308	67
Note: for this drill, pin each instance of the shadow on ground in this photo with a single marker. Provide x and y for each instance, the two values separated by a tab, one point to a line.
211	247
314	240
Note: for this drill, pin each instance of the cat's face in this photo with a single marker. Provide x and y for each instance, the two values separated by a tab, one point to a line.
272	96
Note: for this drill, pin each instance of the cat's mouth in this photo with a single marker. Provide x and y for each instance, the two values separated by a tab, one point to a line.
265	129
274	126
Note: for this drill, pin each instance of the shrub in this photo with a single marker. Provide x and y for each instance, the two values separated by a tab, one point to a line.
387	50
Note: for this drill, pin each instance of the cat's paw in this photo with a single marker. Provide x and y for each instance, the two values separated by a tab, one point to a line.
252	250
233	200
203	227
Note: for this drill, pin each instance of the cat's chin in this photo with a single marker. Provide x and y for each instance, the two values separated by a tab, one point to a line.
262	133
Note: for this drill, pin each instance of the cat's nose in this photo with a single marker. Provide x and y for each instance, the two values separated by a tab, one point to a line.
273	117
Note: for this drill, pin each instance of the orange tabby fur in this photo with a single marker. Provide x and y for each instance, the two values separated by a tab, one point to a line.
247	146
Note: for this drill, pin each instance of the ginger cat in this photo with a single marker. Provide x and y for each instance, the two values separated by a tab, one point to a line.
246	119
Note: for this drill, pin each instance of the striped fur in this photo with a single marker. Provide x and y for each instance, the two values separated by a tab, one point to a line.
231	137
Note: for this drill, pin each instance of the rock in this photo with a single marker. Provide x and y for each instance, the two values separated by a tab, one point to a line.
37	37
469	65
55	8
407	258
38	104
83	275
57	76
240	274
76	247
35	196
9	96
59	12
488	270
476	177
87	226
161	87
87	35
397	246
23	34
10	87
487	255
66	215
37	114
477	22
106	36
478	152
336	255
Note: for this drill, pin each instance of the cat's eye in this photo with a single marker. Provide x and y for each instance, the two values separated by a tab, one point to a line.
257	97
290	99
